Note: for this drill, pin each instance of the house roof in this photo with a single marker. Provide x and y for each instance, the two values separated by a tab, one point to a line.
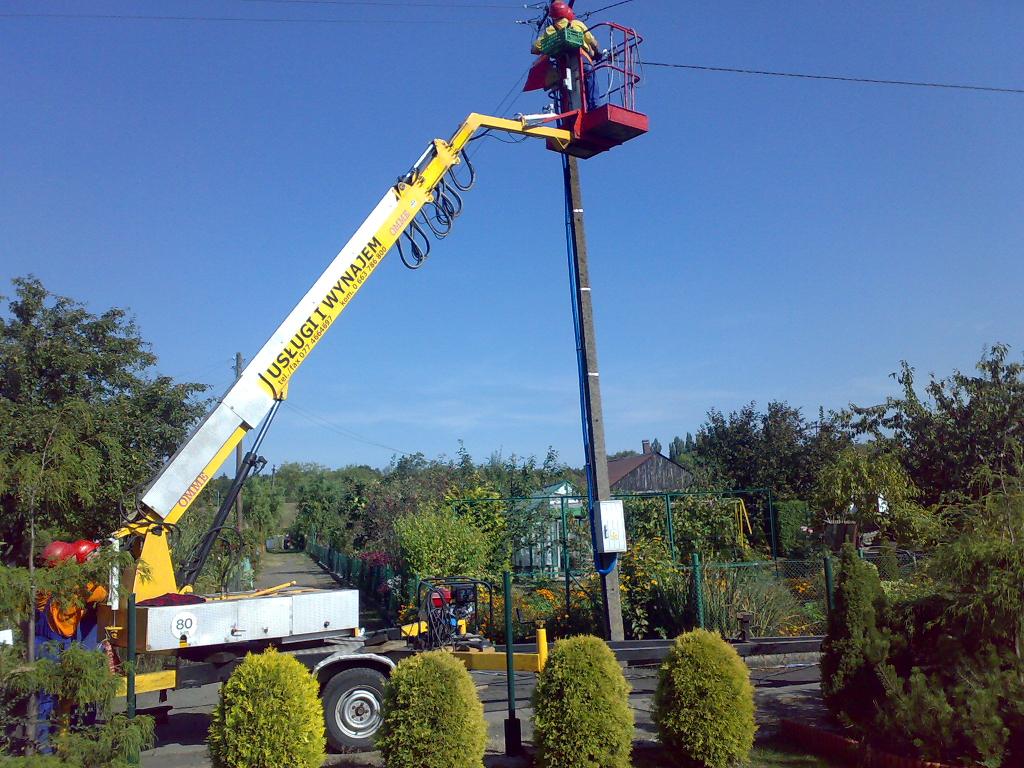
552	490
619	468
546	495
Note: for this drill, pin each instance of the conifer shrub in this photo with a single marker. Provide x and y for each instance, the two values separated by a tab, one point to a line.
855	647
269	715
581	714
704	703
432	715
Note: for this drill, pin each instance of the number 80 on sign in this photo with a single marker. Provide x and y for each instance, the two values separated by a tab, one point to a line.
184	625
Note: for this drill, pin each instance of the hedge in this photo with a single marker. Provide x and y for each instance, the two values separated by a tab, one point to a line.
269	715
704	703
581	714
432	715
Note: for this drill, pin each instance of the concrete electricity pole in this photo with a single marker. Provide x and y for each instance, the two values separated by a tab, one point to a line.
597	457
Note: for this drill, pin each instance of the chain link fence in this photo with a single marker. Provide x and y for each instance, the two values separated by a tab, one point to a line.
666	588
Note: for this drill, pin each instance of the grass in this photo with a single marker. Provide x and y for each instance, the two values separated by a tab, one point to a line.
771	755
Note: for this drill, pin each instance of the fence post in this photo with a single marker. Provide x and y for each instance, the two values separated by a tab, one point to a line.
565	556
698	588
133	758
513	728
829	585
669	530
771	526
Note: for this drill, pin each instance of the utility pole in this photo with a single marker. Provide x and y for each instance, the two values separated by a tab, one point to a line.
238	453
590	391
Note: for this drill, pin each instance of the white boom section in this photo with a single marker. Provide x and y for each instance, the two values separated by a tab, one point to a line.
265	378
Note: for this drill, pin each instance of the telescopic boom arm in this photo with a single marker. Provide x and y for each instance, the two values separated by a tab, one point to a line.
399	218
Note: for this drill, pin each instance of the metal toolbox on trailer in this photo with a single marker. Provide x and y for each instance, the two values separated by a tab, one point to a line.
241	620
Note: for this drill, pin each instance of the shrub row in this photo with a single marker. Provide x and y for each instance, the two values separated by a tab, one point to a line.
704	708
269	713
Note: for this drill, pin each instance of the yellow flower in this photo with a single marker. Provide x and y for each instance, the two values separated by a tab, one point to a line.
654	582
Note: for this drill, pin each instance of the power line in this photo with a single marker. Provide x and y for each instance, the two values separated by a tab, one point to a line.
249	19
839	78
344	432
389	3
501	104
588	14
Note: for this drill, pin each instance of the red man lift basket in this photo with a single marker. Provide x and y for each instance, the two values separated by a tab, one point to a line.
613	118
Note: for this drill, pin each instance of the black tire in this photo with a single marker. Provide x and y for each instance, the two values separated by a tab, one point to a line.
353	706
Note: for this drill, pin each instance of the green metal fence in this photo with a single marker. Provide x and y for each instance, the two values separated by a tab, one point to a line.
380	586
782	597
555	581
552	533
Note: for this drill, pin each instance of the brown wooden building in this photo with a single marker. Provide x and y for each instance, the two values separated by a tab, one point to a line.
647	472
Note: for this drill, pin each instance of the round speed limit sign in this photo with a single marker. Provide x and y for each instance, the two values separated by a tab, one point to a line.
184	624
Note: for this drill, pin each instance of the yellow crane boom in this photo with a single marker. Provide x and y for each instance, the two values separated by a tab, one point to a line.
265	380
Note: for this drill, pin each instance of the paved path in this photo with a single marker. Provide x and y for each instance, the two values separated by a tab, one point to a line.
789	689
279	568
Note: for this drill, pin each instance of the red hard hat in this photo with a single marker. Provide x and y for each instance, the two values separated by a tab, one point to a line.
56	552
561	10
82	548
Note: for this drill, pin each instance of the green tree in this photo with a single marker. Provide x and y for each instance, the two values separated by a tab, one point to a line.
938	671
263	506
676	448
581	714
777	449
83	420
872	490
269	715
438	542
432	715
979	572
622	454
481	506
78	676
958	425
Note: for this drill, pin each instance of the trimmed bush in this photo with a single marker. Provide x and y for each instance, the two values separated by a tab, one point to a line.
581	714
855	647
269	715
704	704
433	717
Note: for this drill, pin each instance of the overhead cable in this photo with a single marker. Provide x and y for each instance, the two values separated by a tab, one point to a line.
588	14
390	3
840	78
246	19
326	424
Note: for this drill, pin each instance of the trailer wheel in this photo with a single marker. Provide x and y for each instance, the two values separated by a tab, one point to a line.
353	706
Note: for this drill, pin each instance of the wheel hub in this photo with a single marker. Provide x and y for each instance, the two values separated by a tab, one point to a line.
358	713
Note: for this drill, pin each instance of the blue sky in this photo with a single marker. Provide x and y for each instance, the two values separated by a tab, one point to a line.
769	239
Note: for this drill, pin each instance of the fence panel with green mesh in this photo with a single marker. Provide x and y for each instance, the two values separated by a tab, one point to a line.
555	580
